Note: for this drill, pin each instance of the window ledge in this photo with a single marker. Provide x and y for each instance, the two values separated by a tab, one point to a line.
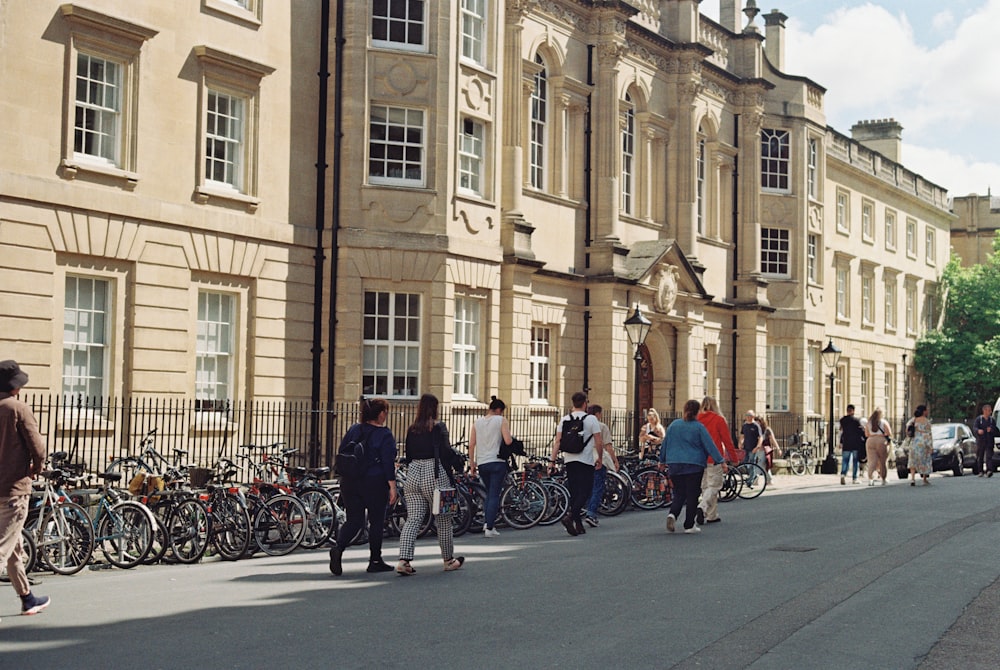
233	11
206	192
71	168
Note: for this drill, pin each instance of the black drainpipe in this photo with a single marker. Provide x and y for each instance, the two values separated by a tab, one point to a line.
587	237
319	257
736	262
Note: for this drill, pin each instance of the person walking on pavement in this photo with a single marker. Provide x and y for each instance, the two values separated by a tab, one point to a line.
878	434
751	439
687	448
580	466
426	439
484	458
921	446
22	455
610	462
852	444
985	429
712	479
767	443
373	490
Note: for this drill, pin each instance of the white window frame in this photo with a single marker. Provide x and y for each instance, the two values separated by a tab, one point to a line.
868	221
87	324
225	133
391	20
391	344
866	378
538	127
889	389
812	170
246	11
812	378
473	18
843	291
466	348
118	42
890	229
471	156
628	166
812	258
911	238
775	160
911	309
890	303
843	211
930	246
396	156
700	187
867	298
540	358
778	373
775	251
215	348
240	79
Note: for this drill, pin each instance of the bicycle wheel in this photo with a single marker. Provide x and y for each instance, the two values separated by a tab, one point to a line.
461	522
280	525
230	524
616	495
28	550
477	496
160	549
556	503
187	530
397	516
321	516
731	485
128	468
65	539
125	534
523	504
651	489
797	463
754	480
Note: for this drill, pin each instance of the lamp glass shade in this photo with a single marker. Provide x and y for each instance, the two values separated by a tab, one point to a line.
831	355
637	327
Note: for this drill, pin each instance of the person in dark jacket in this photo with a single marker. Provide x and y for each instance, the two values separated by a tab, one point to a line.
22	455
985	430
371	492
852	444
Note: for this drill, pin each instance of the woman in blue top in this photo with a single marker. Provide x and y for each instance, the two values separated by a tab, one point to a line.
371	492
688	446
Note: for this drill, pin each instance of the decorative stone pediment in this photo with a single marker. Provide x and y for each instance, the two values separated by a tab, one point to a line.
663	267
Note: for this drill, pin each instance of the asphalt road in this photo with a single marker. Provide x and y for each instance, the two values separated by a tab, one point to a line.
809	575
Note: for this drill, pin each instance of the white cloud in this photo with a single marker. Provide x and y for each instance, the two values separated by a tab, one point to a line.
943	21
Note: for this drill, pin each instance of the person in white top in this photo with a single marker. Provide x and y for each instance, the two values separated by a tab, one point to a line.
610	461
580	466
484	459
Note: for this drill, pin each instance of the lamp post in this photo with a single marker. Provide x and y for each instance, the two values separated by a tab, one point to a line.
831	356
636	327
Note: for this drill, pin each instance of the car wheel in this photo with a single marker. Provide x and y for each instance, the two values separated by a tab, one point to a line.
957	468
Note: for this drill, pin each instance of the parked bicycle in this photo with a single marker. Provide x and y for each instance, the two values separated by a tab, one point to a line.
61	530
799	454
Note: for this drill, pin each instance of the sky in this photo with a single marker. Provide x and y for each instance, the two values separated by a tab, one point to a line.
931	65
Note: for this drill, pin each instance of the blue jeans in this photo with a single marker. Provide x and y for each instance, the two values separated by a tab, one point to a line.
760	458
846	457
493	475
597	493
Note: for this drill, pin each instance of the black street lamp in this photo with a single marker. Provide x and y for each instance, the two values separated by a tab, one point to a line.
637	327
831	356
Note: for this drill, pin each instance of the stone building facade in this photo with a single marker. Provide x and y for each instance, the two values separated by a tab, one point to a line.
976	226
512	180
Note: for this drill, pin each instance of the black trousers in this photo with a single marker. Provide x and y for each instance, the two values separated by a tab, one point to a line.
687	488
372	495
580	482
984	457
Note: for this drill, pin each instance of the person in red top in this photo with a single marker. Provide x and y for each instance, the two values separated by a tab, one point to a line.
711	481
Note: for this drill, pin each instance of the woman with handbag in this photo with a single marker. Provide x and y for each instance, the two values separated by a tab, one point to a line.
484	458
429	453
877	437
921	446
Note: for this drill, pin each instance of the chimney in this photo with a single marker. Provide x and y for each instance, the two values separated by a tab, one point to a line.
679	20
774	39
729	15
882	135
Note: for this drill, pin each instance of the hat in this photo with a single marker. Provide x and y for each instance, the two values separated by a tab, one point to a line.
11	376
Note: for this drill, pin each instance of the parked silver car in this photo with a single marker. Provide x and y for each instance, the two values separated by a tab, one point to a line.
954	449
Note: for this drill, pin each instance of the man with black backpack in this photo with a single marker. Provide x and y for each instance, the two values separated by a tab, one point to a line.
579	439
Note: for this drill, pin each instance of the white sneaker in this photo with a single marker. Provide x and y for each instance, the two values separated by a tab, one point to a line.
491	532
671	523
693	529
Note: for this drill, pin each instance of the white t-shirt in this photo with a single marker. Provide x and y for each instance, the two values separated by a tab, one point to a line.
488	437
591	426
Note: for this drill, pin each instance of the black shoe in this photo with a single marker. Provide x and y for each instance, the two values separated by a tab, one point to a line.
580	530
989	474
699	517
32	604
335	565
379	566
714	521
567	522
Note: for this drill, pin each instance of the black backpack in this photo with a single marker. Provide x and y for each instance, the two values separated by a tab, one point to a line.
572	441
354	457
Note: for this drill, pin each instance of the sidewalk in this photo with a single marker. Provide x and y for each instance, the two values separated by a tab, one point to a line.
787	483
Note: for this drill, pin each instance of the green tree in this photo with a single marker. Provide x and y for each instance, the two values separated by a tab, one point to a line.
960	363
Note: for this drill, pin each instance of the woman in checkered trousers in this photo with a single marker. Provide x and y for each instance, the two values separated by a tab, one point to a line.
423	474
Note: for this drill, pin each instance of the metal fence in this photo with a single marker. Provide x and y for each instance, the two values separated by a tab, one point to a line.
96	430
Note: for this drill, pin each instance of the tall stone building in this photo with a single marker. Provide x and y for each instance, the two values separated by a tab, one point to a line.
976	226
535	170
509	181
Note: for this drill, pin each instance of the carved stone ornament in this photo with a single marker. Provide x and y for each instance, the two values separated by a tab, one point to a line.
666	288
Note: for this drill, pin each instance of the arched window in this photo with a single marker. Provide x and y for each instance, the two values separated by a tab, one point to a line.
539	117
628	158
